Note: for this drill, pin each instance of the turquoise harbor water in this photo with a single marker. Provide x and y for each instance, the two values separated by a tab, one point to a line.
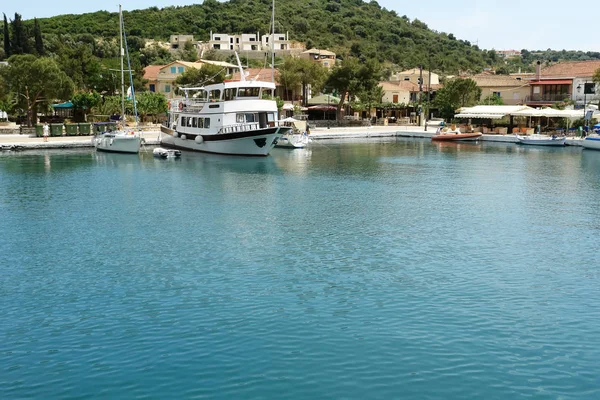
381	269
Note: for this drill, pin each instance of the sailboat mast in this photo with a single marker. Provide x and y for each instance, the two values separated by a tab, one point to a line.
273	43
122	69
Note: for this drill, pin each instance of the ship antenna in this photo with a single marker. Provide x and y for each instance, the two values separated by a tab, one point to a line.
242	76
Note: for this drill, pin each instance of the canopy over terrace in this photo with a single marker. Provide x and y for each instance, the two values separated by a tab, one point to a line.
492	112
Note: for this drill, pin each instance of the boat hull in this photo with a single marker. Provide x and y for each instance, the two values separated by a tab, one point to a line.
293	141
250	143
591	142
118	143
454	137
541	140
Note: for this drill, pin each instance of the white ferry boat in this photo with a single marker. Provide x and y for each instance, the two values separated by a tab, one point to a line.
226	118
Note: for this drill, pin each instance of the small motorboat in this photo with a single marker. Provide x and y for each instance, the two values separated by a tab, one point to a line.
541	140
161	152
456	136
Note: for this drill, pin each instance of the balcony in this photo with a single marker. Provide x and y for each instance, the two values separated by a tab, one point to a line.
547	97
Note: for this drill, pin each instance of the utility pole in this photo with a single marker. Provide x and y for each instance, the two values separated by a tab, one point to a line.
420	93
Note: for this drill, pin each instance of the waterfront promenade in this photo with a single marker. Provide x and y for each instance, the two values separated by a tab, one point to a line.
24	142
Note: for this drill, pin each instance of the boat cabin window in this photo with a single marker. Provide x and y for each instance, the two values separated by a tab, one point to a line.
200	96
239	118
182	123
207	123
189	121
250	117
229	94
200	122
214	95
194	122
248	92
267	93
271	119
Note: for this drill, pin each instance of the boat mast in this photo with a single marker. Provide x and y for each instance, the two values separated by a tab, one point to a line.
273	44
122	69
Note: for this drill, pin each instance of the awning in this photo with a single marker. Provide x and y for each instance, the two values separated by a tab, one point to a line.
472	115
493	112
67	104
552	82
323	107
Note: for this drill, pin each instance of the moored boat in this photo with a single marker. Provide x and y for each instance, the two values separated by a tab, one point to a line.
123	140
297	138
237	118
591	142
541	140
457	136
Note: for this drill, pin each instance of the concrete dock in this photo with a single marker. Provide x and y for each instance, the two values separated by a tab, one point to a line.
24	142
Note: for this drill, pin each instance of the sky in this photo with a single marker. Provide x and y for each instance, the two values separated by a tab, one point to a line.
491	24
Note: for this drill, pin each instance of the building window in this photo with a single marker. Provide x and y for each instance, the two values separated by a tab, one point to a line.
217	38
180	69
394	98
237	40
152	87
173	70
167	88
253	39
217	47
281	37
325	64
497	94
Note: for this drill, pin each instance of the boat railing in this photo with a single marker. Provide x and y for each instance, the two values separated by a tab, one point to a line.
239	127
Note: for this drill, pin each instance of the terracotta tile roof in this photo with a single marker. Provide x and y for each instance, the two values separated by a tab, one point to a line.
486	80
581	69
151	72
258	74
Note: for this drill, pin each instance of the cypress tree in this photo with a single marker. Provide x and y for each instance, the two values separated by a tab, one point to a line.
7	51
37	33
19	39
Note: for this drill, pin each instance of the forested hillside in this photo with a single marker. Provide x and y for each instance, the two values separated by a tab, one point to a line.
345	26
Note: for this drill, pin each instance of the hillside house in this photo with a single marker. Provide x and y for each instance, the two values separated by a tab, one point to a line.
512	90
564	81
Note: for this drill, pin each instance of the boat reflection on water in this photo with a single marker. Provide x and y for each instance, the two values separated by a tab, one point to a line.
453	147
116	159
293	162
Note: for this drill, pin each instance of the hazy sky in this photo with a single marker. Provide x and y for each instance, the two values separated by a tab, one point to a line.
501	25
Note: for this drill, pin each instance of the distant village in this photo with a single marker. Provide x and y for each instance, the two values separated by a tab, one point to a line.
562	81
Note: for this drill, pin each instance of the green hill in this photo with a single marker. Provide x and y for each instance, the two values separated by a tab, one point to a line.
344	26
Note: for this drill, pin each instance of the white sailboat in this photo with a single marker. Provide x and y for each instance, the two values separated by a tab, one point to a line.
122	140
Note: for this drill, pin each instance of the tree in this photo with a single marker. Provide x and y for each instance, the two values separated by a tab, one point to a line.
596	79
34	81
455	94
37	34
7	52
492	100
150	103
302	72
189	52
84	102
289	76
205	75
155	55
352	76
19	44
